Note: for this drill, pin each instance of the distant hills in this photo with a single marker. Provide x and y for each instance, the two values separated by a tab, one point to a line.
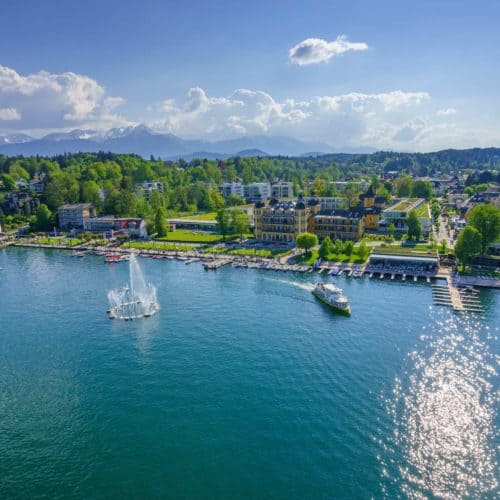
143	141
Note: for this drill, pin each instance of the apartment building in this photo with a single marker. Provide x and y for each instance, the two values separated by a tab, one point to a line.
74	216
283	221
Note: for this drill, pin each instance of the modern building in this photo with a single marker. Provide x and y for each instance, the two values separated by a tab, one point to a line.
283	221
147	187
231	188
192	224
255	191
398	212
74	216
134	227
282	189
404	259
339	224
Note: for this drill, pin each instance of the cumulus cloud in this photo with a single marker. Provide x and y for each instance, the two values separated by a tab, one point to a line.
340	120
446	112
46	100
8	114
317	50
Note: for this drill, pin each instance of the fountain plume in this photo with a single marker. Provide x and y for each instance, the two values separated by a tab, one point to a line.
135	300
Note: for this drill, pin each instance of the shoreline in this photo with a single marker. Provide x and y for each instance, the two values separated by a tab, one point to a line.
217	260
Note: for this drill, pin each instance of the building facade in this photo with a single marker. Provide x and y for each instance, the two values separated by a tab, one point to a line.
147	187
339	224
74	216
282	189
134	227
283	221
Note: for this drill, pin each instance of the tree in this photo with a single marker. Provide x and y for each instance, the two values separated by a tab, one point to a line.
403	186
339	246
43	219
391	229
421	189
348	247
486	219
239	222
443	246
161	223
306	241
468	244
352	193
363	251
223	221
326	248
414	226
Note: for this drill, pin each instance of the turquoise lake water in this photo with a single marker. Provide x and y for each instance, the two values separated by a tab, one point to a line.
243	386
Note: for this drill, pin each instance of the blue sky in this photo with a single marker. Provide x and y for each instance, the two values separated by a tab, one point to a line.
407	75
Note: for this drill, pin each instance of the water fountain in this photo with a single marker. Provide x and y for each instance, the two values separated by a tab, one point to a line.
135	300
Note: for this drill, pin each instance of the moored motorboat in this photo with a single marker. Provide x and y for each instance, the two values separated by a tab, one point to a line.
333	297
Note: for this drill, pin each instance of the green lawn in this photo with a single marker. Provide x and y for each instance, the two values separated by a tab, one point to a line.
158	245
423	210
185	235
247	251
201	216
308	258
69	242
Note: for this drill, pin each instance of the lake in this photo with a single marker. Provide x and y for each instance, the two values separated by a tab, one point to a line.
242	386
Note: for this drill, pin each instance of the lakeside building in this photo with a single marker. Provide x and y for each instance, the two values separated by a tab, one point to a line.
20	202
134	227
339	224
147	187
209	226
404	259
74	216
283	221
282	189
398	212
372	206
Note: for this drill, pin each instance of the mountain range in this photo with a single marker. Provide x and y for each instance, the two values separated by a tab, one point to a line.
143	141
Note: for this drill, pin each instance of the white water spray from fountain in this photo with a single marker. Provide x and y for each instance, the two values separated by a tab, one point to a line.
135	300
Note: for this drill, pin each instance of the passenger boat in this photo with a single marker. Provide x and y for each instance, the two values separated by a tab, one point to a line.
333	297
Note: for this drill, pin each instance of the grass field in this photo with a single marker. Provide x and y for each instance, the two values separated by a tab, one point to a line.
247	251
69	242
158	245
185	235
200	216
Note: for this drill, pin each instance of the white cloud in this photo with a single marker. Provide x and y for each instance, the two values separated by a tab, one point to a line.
352	119
317	50
9	114
446	112
45	100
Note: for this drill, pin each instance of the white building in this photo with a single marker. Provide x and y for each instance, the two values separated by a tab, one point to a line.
282	189
253	191
147	187
229	188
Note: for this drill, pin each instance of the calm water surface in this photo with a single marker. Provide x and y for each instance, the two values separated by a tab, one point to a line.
243	386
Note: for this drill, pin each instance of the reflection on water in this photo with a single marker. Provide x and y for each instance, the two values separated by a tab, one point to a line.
444	411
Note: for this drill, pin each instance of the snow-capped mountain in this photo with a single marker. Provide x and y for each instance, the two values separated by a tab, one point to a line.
15	139
142	140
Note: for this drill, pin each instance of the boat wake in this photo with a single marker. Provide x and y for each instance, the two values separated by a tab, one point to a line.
309	287
135	300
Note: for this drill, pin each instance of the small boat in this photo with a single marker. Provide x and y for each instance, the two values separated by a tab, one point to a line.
333	297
